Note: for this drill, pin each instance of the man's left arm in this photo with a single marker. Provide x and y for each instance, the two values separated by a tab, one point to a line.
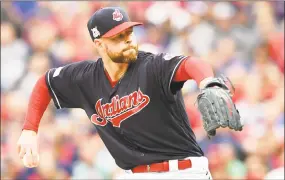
215	98
196	69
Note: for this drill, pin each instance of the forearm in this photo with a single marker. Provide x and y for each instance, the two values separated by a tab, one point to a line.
38	103
193	68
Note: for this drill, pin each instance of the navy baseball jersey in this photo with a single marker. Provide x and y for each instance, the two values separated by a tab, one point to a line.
142	120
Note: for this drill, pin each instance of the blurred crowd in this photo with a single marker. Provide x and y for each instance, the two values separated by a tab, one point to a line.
243	40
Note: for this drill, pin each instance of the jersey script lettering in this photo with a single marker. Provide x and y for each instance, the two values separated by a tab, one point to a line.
119	109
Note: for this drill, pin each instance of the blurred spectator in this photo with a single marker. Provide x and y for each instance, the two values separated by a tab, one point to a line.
242	39
276	49
14	53
201	33
39	63
255	167
25	9
234	167
265	20
223	14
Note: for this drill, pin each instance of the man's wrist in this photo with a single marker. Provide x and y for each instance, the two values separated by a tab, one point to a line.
29	131
204	82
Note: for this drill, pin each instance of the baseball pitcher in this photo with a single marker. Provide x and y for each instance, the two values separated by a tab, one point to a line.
134	100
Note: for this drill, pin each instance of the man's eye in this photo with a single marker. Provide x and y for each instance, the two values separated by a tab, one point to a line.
120	36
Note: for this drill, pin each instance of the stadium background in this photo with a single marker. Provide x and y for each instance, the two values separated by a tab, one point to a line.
243	40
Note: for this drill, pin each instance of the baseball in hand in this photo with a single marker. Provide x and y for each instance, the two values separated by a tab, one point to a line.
28	163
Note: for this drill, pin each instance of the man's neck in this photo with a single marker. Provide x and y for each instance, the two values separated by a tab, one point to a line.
115	70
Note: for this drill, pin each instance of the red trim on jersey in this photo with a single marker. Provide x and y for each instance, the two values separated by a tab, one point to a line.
192	68
113	83
38	103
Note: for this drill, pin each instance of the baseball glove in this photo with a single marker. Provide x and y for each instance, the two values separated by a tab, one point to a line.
216	106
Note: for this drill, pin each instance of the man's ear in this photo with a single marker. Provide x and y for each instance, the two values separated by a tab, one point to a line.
98	44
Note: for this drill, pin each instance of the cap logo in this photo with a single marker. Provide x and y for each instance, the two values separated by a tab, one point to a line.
95	32
117	15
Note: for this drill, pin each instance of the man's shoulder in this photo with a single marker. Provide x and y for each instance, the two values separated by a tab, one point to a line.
81	69
83	65
148	56
142	55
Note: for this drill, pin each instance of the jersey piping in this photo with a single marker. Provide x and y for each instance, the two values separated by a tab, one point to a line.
175	68
53	91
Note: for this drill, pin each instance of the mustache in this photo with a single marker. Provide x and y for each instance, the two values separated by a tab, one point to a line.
130	47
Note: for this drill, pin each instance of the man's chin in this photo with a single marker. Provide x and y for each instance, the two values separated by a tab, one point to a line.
128	57
126	60
129	60
131	57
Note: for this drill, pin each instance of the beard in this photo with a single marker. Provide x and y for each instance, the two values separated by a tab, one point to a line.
127	55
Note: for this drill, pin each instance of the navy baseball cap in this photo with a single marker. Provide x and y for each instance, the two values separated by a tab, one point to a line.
109	21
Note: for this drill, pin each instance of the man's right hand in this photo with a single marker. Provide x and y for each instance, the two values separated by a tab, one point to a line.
28	148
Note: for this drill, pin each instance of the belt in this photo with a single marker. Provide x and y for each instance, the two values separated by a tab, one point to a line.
161	167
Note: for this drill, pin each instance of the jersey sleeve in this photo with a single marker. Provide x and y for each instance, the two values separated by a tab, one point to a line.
164	68
63	84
